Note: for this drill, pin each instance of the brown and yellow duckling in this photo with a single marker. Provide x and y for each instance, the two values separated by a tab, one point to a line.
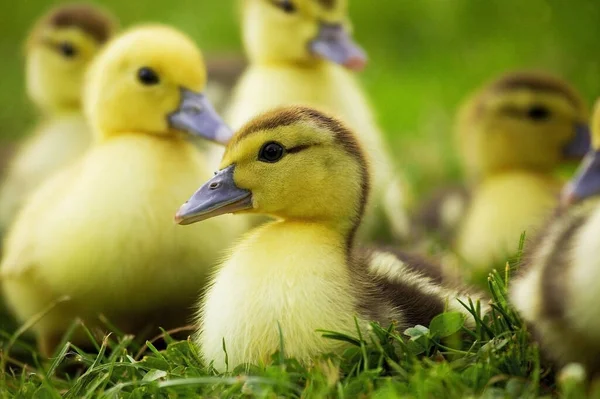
304	271
514	135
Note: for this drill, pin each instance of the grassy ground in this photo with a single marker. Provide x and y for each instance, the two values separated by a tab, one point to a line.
425	57
495	359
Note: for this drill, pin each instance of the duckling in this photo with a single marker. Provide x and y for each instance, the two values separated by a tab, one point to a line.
310	172
301	52
58	52
514	135
85	235
557	288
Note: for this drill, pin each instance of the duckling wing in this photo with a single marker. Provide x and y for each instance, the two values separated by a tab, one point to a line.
415	287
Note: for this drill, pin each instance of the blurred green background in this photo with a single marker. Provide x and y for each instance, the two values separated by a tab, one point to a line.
425	57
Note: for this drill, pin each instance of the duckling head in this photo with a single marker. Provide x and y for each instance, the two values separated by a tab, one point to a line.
303	32
586	182
59	50
150	79
524	120
293	163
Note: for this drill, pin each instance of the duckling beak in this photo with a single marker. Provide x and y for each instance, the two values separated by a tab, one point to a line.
333	43
198	117
586	181
216	197
580	144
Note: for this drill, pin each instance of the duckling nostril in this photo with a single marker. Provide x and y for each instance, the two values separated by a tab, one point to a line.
214	185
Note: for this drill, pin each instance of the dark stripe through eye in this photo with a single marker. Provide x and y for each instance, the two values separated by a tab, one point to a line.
299	148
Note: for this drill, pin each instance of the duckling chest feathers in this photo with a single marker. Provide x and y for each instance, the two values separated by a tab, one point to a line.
291	279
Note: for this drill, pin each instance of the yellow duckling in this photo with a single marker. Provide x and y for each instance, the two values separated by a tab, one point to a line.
86	234
557	289
300	52
58	52
302	272
514	134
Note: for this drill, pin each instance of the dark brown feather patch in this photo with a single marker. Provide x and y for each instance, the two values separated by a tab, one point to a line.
537	81
553	275
94	21
327	4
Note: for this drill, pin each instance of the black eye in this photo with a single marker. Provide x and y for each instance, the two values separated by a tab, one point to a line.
285	5
271	152
147	76
538	113
67	49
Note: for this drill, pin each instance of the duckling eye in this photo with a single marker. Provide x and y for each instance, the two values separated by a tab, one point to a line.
67	49
538	113
271	152
147	76
285	5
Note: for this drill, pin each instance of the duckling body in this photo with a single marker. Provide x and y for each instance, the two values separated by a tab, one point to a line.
59	50
85	234
514	135
509	203
99	191
557	288
32	165
278	76
310	173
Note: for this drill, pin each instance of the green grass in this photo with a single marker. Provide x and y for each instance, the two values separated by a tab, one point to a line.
495	359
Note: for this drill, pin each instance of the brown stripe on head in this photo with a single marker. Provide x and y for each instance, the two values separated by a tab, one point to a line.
327	4
286	116
92	20
537	81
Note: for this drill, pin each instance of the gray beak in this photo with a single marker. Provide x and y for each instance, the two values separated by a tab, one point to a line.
580	145
197	116
216	197
333	43
586	182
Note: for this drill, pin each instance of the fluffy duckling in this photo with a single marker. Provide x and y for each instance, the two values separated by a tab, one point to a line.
58	52
307	170
557	289
301	52
514	135
85	234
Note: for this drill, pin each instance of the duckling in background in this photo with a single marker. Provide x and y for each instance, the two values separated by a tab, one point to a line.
559	283
309	171
301	52
514	134
58	52
86	234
